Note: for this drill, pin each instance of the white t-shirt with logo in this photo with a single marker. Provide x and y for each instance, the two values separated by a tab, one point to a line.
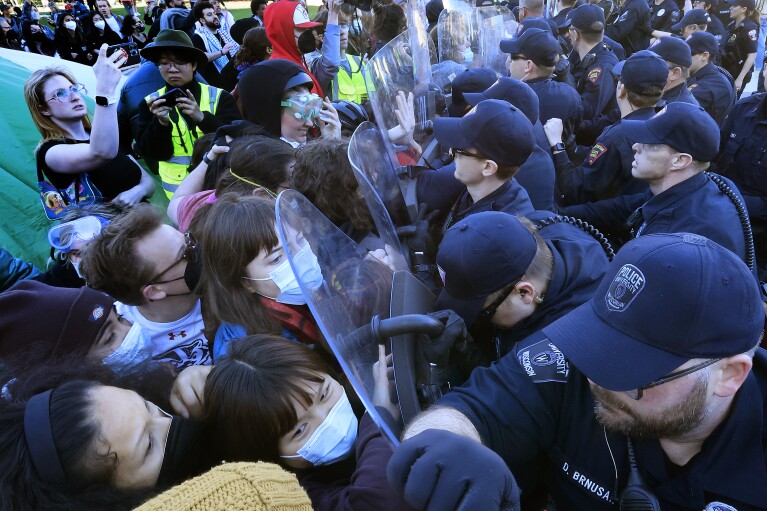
180	343
113	24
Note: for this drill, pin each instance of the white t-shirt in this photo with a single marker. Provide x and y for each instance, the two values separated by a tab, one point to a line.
113	24
180	343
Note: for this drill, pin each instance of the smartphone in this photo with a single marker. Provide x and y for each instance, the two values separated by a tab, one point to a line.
130	48
171	96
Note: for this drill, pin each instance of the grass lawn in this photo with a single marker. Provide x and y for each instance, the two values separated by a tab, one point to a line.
238	9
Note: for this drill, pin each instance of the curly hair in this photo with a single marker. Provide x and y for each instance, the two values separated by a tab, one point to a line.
255	47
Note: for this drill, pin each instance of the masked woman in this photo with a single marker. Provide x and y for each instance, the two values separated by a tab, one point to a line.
95	29
35	39
273	400
247	282
70	41
74	151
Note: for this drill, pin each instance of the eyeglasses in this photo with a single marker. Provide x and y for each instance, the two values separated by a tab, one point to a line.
63	95
168	64
488	312
638	393
453	151
519	57
189	255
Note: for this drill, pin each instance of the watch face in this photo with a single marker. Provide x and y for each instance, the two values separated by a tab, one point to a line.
102	101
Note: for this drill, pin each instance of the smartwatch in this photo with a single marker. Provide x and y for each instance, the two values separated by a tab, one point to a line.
105	100
558	147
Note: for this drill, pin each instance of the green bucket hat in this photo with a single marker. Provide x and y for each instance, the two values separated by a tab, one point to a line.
177	42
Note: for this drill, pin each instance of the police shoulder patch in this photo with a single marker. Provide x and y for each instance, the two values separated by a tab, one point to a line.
598	150
752	35
543	362
594	74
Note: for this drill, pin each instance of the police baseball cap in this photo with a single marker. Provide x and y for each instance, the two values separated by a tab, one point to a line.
674	50
666	299
684	127
516	92
475	79
703	41
748	4
540	23
586	18
535	44
495	128
642	70
692	17
482	254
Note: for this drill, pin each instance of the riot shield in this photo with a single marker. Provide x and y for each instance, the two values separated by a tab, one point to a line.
353	288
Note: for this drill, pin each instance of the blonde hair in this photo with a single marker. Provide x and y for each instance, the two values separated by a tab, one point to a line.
33	94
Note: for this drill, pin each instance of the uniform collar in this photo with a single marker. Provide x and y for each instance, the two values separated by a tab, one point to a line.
668	197
731	463
758	112
707	70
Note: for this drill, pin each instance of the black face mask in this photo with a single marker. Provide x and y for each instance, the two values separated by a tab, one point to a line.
194	269
306	42
11	35
186	453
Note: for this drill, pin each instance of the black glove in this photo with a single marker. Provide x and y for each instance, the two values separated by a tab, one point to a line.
436	350
417	236
440	471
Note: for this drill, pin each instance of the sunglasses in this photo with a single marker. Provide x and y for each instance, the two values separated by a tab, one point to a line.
453	151
64	95
189	255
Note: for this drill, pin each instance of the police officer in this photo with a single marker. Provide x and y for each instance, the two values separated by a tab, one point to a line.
693	20
475	79
562	72
632	28
739	43
555	99
606	172
502	272
677	55
664	13
743	158
536	174
672	152
592	62
489	145
707	82
168	133
631	397
714	25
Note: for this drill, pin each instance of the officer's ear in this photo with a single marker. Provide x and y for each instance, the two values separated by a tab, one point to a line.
490	169
526	292
728	375
620	91
681	161
675	73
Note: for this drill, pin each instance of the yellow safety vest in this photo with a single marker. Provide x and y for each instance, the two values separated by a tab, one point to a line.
173	171
350	87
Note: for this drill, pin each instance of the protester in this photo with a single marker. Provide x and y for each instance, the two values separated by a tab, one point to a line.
71	43
36	40
167	131
73	149
215	42
257	8
388	22
255	48
113	21
95	28
132	31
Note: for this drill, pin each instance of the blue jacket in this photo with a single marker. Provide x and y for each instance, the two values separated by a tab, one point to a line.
743	147
680	93
537	177
713	91
13	270
510	198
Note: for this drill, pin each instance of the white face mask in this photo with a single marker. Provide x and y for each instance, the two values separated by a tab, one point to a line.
35	15
70	25
99	24
308	269
334	439
135	348
468	56
76	266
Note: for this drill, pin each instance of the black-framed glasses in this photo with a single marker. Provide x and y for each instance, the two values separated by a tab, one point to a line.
488	312
189	255
453	151
167	64
65	94
637	394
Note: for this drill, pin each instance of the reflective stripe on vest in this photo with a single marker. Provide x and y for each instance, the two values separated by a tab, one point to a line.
350	88
173	170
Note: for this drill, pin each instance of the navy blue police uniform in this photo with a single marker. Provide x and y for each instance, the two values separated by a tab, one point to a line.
715	27
664	15
713	91
739	40
632	28
680	93
558	100
675	52
595	82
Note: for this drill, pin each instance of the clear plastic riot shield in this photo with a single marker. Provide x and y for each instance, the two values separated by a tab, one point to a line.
368	155
344	288
496	23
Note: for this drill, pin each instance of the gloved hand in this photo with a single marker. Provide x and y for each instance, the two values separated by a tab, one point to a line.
417	236
440	471
436	350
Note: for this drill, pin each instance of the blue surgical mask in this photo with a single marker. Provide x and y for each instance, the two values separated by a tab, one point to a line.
334	439
135	348
307	268
468	56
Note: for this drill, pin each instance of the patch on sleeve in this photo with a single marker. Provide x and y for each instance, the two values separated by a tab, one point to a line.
596	151
594	74
719	506
543	362
752	35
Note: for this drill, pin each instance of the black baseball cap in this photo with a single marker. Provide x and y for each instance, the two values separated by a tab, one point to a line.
684	127
495	128
480	255
660	305
475	79
748	4
516	92
642	70
692	17
535	44
531	22
586	18
673	50
703	41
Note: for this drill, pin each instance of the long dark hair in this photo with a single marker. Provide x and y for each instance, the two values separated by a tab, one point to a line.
62	31
249	392
75	432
